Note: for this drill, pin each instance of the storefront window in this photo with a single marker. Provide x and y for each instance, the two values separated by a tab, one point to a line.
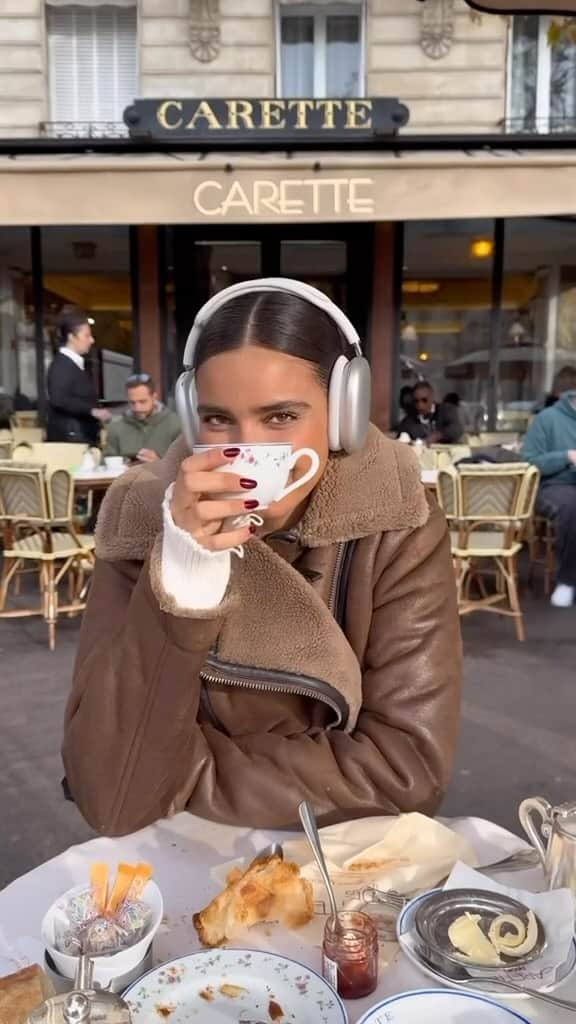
320	50
322	264
17	352
538	323
446	308
90	267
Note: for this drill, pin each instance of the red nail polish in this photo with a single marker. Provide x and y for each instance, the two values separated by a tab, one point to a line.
231	453
252	529
248	485
251	504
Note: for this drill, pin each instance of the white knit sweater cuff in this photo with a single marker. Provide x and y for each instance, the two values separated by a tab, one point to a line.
197	579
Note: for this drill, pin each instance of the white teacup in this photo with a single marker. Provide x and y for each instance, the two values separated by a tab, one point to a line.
114	462
269	465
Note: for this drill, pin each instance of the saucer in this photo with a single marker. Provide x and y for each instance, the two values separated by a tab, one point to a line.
407	940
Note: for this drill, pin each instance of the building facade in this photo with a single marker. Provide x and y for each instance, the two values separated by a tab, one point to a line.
449	239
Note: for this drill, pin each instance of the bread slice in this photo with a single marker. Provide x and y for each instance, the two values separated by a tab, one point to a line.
21	993
270	890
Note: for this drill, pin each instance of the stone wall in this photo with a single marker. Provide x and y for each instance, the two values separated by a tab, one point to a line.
23	101
465	91
461	92
244	67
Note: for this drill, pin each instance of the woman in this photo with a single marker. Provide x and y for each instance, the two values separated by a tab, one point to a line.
325	664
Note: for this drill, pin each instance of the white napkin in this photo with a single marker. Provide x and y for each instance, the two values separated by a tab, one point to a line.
556	911
406	853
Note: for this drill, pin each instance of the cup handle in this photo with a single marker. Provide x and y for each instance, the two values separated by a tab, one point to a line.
315	460
536	805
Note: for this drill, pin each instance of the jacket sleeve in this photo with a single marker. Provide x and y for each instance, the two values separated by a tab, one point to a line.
134	750
112	440
62	397
537	451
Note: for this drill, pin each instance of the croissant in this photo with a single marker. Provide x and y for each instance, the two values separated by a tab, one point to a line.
270	890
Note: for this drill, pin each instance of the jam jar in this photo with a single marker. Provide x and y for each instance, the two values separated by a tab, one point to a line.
350	954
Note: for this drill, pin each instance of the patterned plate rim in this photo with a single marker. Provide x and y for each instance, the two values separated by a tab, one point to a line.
241	950
442	992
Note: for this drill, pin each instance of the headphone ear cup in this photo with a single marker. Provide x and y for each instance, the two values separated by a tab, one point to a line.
187	406
335	392
355	404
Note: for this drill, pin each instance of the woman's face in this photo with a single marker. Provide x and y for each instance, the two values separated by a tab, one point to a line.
255	395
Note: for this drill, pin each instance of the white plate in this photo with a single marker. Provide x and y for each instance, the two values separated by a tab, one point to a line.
437	1007
263	988
408	947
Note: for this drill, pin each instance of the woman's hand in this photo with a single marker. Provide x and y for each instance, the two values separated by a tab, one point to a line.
197	506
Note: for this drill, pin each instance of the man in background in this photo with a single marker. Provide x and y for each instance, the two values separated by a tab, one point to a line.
147	428
73	413
429	422
550	445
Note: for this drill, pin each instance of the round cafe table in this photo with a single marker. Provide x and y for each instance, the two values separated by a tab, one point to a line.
184	851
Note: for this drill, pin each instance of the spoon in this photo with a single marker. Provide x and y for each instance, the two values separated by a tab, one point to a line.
443	969
309	825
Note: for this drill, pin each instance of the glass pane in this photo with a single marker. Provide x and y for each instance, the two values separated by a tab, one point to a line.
524	81
18	389
446	304
539	315
563	85
297	36
343	55
319	263
89	267
221	264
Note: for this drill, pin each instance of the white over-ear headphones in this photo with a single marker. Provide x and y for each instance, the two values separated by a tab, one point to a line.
349	387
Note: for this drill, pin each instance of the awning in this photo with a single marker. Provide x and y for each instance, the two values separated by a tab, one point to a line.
239	188
524	6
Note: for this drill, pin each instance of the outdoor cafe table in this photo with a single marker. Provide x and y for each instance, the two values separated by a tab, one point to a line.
95	479
183	852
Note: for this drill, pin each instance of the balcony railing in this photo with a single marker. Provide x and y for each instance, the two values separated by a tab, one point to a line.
83	130
540	125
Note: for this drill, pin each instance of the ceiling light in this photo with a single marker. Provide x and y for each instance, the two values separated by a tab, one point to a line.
420	287
423	357
91	321
482	248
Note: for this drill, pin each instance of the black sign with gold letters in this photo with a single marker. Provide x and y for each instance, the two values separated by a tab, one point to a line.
272	121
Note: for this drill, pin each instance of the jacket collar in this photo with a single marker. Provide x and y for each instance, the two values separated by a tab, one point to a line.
372	491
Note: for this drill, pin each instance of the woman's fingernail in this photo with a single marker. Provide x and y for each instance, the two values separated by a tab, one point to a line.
252	529
251	504
231	453
248	485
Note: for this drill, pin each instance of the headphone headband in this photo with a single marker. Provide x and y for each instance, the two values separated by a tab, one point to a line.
269	284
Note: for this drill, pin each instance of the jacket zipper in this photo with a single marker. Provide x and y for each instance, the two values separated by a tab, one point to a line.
217	673
269	681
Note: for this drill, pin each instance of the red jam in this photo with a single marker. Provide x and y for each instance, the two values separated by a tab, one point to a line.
350	954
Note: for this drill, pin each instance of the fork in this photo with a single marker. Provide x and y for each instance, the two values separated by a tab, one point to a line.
396	902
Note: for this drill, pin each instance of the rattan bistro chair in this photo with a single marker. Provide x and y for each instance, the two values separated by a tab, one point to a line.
487	508
37	508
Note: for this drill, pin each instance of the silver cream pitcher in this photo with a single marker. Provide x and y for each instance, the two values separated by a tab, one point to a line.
554	837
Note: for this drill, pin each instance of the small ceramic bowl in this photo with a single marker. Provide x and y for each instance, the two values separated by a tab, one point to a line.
106	968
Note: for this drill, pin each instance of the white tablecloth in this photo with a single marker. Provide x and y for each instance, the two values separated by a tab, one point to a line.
429	476
183	852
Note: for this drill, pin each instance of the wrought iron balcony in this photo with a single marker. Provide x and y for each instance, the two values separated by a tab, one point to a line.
83	129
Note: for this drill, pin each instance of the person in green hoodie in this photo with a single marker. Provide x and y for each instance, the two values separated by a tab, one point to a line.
550	445
147	428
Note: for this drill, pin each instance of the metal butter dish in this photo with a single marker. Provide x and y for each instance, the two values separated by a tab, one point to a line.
436	914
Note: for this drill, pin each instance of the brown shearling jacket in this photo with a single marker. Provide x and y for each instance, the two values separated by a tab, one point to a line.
331	671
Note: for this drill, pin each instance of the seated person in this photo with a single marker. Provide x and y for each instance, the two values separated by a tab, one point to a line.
429	422
550	444
235	686
147	428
